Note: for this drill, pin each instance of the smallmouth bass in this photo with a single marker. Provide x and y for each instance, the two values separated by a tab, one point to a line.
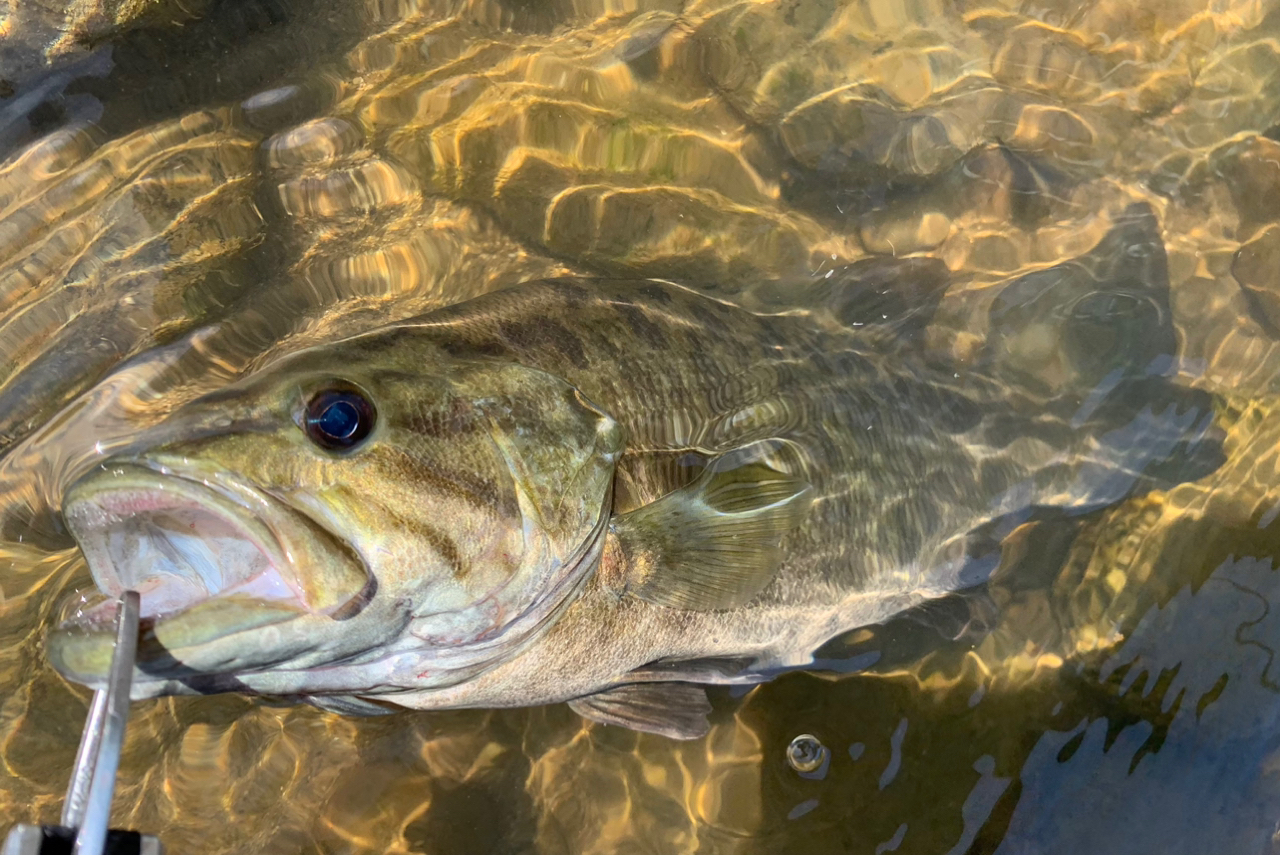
604	493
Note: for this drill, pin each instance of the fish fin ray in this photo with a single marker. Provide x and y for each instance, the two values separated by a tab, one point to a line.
714	544
675	710
349	705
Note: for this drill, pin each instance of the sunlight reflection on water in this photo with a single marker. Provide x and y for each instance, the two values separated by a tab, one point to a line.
278	174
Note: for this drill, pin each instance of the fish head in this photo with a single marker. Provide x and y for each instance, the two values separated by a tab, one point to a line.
368	516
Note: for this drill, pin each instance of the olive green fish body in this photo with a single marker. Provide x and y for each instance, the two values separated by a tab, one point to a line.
571	490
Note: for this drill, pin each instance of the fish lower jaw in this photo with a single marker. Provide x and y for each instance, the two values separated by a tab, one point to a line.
214	638
162	598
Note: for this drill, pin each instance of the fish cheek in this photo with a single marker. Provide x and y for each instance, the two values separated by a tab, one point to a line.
557	448
448	509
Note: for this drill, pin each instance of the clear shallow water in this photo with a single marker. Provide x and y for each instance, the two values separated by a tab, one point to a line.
271	174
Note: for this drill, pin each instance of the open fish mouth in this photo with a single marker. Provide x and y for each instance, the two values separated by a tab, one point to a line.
176	547
210	558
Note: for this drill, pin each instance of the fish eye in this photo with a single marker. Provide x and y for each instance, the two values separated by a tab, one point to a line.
338	418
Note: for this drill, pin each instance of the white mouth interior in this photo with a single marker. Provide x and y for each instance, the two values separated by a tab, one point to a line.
174	554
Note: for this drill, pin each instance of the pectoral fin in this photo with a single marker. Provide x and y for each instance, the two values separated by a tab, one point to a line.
714	544
677	710
347	705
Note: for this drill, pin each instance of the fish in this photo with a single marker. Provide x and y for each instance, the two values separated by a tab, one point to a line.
606	493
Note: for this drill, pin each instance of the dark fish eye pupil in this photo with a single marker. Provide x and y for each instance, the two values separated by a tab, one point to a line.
339	418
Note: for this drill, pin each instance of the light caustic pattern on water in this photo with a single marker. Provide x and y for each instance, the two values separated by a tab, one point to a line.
284	173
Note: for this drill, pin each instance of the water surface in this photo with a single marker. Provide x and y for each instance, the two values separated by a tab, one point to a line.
189	192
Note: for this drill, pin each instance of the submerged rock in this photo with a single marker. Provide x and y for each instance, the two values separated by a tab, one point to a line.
39	37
